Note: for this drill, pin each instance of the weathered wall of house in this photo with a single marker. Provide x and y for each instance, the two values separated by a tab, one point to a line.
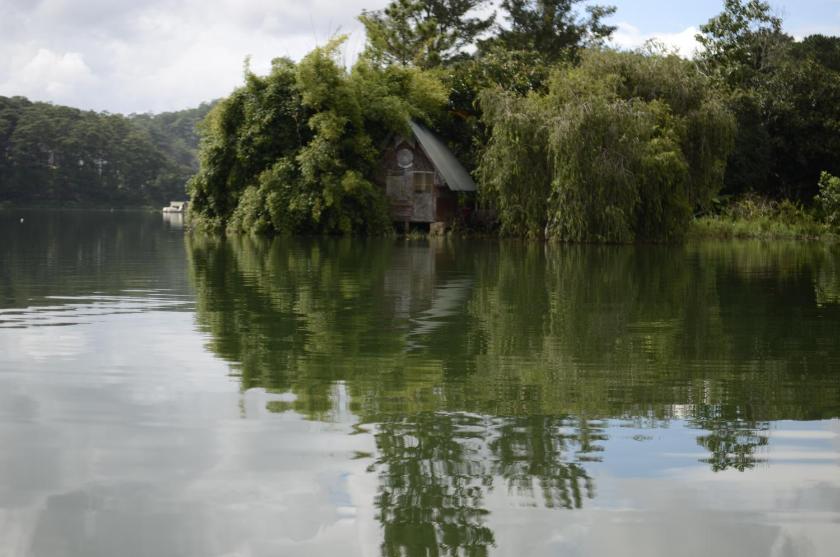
416	193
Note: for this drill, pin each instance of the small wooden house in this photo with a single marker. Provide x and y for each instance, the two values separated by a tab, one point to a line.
422	178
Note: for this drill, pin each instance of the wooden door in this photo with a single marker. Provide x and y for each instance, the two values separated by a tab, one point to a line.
423	186
398	189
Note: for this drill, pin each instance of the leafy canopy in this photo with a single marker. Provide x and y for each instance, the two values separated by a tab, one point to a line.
296	151
740	41
785	95
57	155
424	33
828	200
552	28
620	148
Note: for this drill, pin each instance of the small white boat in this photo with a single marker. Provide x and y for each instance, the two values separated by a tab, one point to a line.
176	207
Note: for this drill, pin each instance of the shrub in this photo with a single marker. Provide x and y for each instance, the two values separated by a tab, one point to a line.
754	216
828	200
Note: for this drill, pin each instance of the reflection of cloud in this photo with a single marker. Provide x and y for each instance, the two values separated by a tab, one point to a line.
135	445
689	511
803	434
42	344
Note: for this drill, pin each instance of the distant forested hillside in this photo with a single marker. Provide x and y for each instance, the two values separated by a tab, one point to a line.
57	155
176	132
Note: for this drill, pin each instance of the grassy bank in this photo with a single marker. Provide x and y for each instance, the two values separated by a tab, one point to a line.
721	227
755	217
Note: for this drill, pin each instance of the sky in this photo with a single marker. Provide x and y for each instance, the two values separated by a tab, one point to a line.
127	56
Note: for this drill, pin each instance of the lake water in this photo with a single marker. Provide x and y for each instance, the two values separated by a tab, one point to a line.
169	395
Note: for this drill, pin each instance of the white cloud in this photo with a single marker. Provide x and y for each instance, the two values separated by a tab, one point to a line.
48	75
628	36
131	56
155	55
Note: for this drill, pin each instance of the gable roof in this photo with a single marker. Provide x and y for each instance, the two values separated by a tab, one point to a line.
453	172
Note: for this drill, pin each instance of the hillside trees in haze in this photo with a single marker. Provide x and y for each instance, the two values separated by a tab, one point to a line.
62	156
175	132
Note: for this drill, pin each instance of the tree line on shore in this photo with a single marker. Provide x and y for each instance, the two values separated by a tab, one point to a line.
568	138
60	156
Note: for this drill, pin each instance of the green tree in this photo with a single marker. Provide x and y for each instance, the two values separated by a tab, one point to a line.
621	148
784	94
175	132
296	151
740	42
61	155
802	114
829	200
820	48
553	28
425	33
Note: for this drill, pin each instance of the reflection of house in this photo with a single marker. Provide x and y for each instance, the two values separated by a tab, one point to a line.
419	296
174	220
422	178
175	207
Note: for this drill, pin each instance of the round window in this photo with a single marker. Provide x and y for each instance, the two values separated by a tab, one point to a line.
405	158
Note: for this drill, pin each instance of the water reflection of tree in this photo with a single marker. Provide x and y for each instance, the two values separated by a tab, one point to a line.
83	254
733	446
733	443
433	476
437	469
604	332
476	363
828	278
549	451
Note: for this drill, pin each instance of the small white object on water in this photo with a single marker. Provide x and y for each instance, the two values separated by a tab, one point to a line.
21	220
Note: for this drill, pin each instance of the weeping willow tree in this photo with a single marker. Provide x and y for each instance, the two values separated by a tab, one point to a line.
621	148
295	151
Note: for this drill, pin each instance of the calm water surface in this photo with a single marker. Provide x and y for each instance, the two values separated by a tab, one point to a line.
168	395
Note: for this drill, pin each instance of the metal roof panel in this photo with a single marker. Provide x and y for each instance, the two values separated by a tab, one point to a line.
453	172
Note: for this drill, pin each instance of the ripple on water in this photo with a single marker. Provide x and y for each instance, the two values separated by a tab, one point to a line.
58	311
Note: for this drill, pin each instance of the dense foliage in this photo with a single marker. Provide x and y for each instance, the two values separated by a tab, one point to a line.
829	200
425	33
786	97
621	147
553	28
295	151
578	143
567	139
755	216
175	133
56	155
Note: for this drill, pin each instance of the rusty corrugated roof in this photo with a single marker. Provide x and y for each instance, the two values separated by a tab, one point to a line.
450	168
